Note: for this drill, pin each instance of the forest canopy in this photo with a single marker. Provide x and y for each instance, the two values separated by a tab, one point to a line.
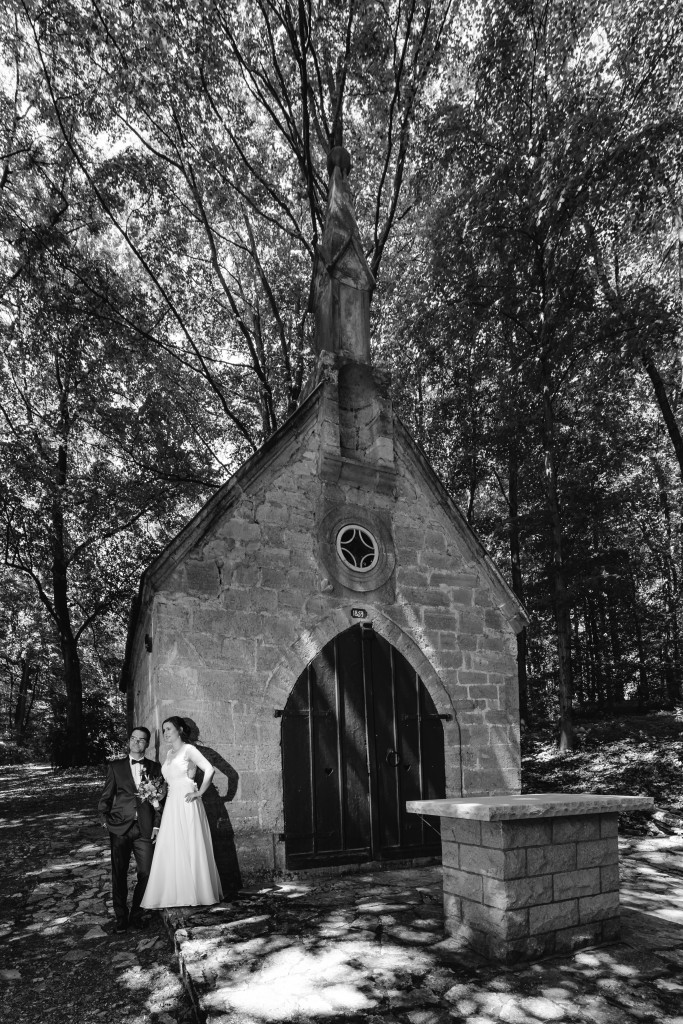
517	181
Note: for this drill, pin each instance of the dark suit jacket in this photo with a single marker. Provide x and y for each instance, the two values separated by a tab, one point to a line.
119	805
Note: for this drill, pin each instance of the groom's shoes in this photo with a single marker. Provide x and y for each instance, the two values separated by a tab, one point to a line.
138	922
118	927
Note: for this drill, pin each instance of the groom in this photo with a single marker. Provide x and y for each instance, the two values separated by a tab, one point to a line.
133	825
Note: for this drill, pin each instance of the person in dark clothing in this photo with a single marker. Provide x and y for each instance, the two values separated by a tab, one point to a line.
133	823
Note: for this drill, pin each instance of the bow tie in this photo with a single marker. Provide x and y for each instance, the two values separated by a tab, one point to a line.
133	760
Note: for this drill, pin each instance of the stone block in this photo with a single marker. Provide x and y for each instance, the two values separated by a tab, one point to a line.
451	909
274	576
418	597
493	619
434	560
475	736
282	629
272	513
239	654
544	860
439	620
245	624
292	599
411	577
483	691
573	884
268	657
462	883
476	680
407	536
494	716
467	642
201	577
516	893
599	907
609	878
505	924
609	825
553	916
575	829
493	862
472	622
450	854
434	540
598	853
522	833
490	646
449	660
247	576
444	578
216	621
239	529
461	830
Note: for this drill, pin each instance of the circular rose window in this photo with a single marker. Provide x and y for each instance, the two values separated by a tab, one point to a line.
357	548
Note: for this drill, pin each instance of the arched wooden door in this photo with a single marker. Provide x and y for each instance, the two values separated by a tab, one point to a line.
360	736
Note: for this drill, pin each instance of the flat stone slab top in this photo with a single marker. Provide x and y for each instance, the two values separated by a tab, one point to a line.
512	806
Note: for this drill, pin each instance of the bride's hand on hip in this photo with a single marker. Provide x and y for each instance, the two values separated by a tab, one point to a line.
192	796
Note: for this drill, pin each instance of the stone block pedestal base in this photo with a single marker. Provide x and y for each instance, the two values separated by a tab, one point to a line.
531	876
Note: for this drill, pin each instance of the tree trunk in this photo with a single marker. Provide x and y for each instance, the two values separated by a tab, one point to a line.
579	675
664	406
591	676
517	582
560	591
605	657
643	681
20	716
75	750
617	653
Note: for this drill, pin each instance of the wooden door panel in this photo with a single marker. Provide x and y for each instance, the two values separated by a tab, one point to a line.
297	770
386	743
326	759
353	733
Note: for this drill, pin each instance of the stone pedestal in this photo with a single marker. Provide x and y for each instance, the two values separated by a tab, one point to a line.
530	876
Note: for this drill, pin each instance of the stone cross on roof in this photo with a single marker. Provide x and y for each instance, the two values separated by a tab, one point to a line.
342	281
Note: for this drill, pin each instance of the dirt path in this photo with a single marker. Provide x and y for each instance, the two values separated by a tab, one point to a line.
58	962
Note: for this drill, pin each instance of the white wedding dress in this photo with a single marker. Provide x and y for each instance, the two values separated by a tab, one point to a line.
184	872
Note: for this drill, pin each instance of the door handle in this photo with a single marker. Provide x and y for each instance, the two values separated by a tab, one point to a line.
393	758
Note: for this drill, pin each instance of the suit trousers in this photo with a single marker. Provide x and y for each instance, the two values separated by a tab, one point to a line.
121	848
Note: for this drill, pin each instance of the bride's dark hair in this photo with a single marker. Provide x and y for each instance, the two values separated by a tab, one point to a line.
179	724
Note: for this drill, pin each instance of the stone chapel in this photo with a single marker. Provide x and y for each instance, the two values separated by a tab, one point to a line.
328	623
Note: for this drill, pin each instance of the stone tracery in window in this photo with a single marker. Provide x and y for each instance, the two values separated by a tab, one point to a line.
357	548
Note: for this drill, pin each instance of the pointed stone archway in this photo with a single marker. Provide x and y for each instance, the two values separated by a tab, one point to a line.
360	736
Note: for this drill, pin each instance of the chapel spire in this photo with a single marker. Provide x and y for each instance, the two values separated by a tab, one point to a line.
342	281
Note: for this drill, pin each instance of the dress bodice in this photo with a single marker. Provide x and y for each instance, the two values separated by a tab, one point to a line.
182	766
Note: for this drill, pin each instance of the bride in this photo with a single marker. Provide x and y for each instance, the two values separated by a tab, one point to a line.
184	872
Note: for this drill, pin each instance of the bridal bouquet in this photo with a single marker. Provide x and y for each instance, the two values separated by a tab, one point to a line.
151	789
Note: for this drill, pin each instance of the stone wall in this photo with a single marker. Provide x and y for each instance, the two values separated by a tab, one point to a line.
526	889
251	604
